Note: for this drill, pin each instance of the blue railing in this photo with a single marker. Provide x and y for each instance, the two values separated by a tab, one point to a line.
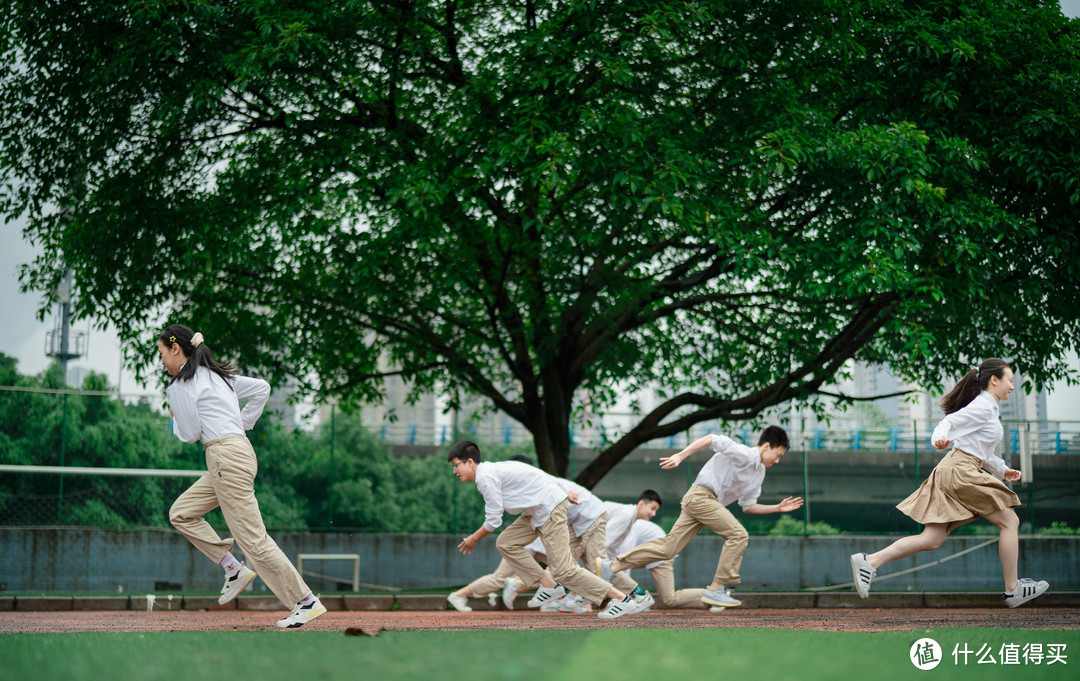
1043	437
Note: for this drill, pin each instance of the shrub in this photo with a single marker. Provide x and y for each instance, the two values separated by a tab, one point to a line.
786	526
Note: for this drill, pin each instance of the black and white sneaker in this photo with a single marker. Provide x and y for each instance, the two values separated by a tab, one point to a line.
1026	590
302	614
863	573
544	595
618	608
236	584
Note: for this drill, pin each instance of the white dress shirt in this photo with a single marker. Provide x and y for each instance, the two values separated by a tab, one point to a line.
976	430
642	531
582	515
516	487
734	473
205	408
620	519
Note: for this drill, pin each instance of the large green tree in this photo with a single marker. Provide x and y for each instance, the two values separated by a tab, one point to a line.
537	201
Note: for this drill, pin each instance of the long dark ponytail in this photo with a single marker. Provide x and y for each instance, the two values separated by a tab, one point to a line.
973	383
198	355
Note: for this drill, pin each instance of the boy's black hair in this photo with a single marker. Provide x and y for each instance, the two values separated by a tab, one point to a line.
464	450
521	458
649	495
774	436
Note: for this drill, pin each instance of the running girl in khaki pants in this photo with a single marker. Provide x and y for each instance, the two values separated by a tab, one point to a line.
204	399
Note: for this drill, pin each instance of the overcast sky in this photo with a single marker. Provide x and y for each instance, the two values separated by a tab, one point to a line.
22	336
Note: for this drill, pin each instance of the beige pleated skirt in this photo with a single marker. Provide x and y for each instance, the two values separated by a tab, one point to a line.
957	492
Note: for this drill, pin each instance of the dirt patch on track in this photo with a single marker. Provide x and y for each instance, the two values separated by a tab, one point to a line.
818	618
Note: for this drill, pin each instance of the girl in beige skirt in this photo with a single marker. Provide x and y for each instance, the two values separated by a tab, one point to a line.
960	489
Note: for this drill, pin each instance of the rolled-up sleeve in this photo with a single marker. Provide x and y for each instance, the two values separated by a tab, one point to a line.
721	444
255	392
493	502
748	500
996	466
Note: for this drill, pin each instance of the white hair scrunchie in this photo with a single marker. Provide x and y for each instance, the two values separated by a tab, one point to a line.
196	340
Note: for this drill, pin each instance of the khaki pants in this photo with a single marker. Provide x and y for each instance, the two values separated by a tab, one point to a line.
664	578
700	508
229	483
591	543
555	537
496	581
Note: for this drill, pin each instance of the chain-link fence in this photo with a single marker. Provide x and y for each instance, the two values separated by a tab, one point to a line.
347	475
845	491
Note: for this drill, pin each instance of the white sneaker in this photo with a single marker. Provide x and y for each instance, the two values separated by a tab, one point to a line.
236	584
553	606
645	603
617	609
721	597
302	614
493	598
546	595
509	593
863	573
603	569
459	603
717	608
1026	590
575	604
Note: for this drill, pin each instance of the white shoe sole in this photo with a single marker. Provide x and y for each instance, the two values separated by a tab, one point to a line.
712	601
1020	601
296	625
509	595
238	589
459	608
554	596
863	591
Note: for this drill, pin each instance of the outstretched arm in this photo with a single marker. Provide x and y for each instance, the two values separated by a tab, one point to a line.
674	460
468	543
789	504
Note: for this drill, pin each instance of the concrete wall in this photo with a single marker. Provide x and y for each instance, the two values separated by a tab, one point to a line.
140	561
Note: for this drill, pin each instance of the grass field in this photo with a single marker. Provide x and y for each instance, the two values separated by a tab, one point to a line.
594	655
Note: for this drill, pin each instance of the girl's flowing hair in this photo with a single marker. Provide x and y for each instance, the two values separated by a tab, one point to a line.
196	356
973	383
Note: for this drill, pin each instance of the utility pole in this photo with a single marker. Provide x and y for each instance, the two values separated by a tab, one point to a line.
63	345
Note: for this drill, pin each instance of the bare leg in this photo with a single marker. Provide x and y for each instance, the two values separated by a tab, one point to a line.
1008	544
931	538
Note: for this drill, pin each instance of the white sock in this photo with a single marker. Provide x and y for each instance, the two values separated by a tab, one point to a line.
231	565
309	600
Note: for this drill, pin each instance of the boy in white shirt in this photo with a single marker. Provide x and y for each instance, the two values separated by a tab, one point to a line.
590	540
734	473
587	520
621	517
516	487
